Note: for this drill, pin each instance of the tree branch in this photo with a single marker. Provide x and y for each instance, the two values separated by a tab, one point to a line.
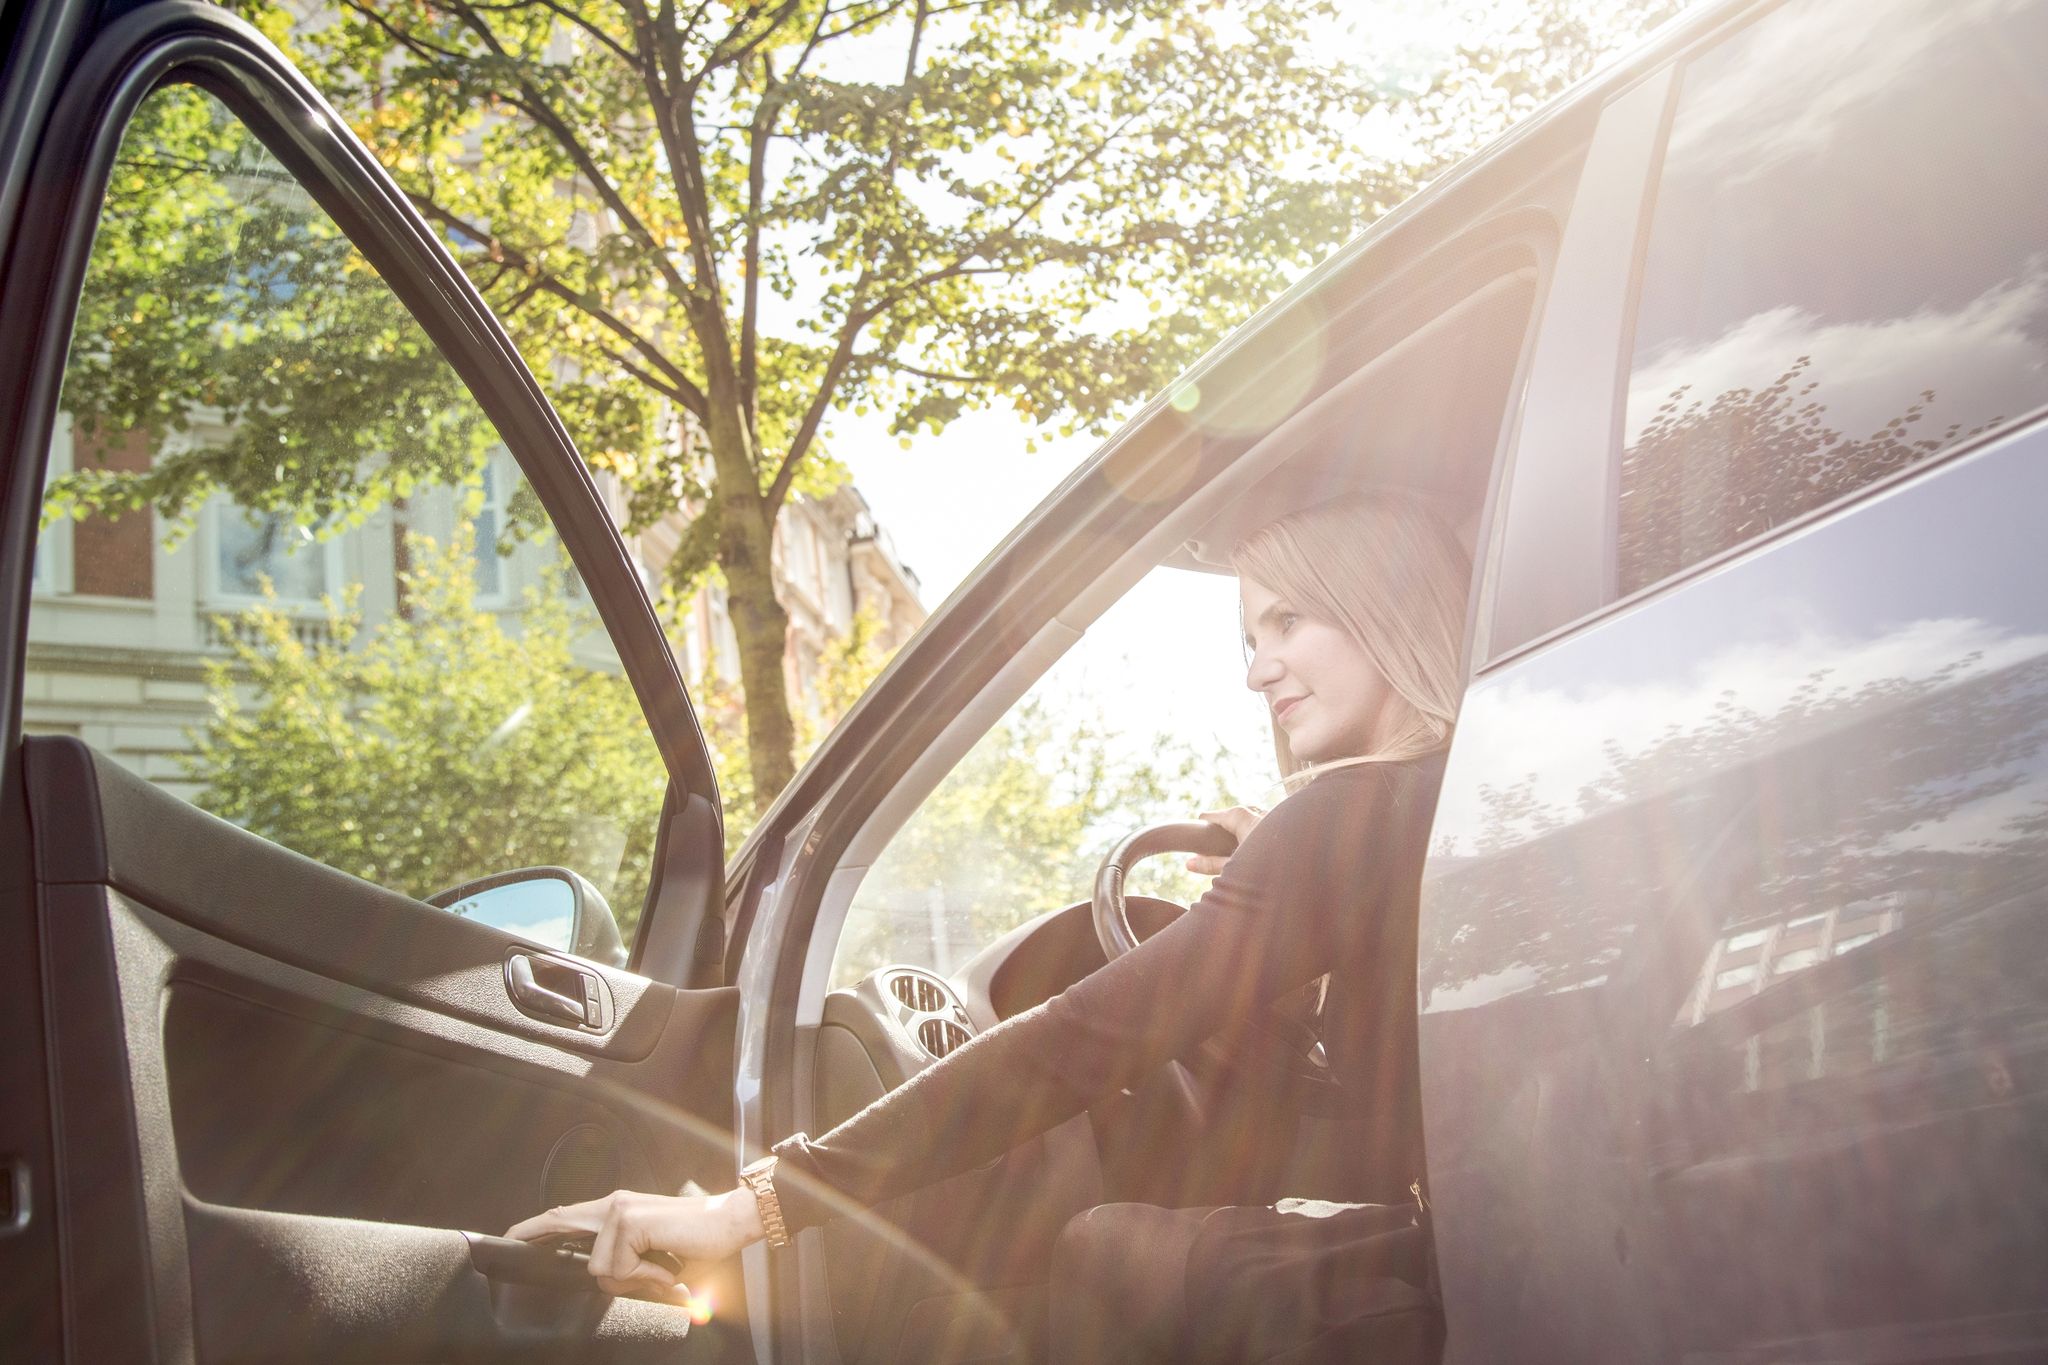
916	37
679	386
536	107
689	30
1073	168
941	376
828	384
672	97
721	56
652	381
418	46
978	251
564	12
865	21
811	44
757	177
604	188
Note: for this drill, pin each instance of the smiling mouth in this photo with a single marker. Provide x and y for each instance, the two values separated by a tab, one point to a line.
1281	708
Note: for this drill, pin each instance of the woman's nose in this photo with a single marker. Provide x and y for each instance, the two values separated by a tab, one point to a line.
1262	672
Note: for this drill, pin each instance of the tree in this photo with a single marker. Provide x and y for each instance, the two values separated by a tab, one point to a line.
1705	474
757	215
438	747
763	214
217	290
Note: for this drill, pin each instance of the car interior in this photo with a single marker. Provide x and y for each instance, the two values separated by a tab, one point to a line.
1420	401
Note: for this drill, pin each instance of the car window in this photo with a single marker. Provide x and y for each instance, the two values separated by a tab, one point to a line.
1845	272
1146	720
286	568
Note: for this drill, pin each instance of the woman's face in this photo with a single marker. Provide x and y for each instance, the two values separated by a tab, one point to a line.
1324	691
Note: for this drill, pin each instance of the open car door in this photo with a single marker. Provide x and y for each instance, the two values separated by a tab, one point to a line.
292	538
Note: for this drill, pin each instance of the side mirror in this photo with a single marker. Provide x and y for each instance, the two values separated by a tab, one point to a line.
551	906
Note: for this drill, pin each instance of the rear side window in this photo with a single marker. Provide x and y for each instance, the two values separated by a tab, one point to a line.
1847	269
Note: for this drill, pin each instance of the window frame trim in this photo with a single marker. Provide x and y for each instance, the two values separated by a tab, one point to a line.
1559	465
504	597
54	578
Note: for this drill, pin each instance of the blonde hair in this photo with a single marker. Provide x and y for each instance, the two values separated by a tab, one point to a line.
1386	570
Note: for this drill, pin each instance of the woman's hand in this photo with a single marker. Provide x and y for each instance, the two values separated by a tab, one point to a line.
1239	820
628	1225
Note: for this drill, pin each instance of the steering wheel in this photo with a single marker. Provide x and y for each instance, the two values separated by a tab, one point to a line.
1269	1038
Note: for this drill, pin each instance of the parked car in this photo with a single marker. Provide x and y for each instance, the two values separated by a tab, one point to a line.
1730	369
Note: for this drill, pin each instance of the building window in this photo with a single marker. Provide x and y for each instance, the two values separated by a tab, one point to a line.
38	571
489	524
106	554
252	548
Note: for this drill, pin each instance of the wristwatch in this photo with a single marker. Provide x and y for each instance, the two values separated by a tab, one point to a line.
759	1176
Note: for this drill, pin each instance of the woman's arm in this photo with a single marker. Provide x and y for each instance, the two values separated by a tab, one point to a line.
1289	906
1292	902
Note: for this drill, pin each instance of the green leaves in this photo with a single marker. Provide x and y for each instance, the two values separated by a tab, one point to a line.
226	318
709	227
438	746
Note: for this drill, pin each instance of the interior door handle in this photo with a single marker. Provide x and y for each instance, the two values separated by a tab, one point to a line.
562	1264
530	995
509	1262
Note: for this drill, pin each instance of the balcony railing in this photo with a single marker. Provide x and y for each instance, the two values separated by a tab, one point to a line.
312	632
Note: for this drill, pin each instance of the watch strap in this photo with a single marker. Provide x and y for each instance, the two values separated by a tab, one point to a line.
759	1176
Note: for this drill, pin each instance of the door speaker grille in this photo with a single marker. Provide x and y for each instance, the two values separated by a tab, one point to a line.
583	1165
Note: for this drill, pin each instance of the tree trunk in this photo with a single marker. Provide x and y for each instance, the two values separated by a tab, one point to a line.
746	544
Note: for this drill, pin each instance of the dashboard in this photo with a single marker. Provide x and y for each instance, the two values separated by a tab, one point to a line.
899	1019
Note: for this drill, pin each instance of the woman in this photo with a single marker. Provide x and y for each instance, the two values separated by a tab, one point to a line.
1353	614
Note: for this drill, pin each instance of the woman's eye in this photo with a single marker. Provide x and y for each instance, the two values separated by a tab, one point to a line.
1287	620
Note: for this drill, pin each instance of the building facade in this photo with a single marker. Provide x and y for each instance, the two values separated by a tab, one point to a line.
130	611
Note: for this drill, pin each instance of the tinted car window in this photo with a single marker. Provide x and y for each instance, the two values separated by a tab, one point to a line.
1847	270
288	571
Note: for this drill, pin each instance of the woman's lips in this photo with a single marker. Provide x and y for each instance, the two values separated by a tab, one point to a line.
1281	708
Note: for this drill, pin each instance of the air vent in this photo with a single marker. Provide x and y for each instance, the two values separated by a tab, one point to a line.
940	1036
921	993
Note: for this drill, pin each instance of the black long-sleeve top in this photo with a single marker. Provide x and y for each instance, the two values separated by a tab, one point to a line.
1326	883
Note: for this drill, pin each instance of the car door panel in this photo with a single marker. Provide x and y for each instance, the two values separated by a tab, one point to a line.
384	1291
100	824
1732	940
283	1100
328	1133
